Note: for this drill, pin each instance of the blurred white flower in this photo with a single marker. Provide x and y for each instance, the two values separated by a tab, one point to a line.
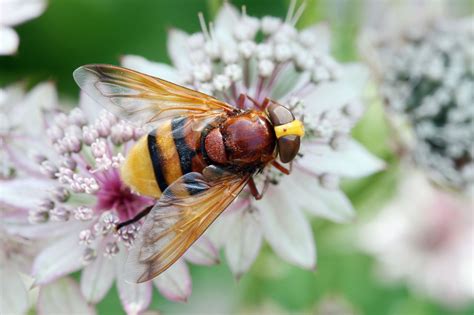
425	237
425	69
426	73
14	12
293	67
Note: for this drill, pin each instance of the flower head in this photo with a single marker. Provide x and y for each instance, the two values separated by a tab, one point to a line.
426	73
86	161
229	60
13	12
86	200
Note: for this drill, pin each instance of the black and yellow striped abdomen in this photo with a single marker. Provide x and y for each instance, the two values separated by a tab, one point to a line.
161	157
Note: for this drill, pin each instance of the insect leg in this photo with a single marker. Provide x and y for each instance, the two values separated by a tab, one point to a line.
254	191
265	103
136	218
257	104
283	169
241	101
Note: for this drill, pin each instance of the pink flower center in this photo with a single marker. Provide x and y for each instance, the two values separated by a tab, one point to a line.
115	195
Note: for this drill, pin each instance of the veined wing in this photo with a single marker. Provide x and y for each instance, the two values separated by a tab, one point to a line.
141	98
180	217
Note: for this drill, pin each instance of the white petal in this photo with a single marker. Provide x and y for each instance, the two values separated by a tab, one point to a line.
203	252
97	278
178	49
12	192
91	108
286	229
217	232
243	241
21	154
62	297
227	18
225	22
175	282
28	114
13	294
334	95
14	12
352	160
289	79
322	37
304	190
42	96
58	259
155	69
332	204
135	297
21	226
12	93
9	42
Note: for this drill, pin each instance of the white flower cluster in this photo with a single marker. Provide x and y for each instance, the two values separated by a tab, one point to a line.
88	153
219	62
429	77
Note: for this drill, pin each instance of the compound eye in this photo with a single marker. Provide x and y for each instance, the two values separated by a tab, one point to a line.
288	147
279	115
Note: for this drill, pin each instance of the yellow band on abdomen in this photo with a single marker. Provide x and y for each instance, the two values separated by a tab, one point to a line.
137	170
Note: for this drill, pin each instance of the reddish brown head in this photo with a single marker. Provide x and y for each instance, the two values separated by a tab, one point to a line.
288	131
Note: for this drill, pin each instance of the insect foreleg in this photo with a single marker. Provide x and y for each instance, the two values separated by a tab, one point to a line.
254	191
136	218
281	168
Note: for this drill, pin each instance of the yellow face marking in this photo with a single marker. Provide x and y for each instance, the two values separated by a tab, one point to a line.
294	128
137	170
169	154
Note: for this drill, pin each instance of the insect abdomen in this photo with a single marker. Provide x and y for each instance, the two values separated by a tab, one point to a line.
162	156
137	170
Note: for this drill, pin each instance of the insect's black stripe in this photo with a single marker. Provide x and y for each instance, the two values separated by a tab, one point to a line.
185	153
156	160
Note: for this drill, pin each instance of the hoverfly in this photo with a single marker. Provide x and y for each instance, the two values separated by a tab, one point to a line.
200	154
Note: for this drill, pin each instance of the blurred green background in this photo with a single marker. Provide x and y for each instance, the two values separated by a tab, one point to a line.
75	32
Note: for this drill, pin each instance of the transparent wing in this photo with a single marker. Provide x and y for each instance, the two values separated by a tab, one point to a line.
141	98
180	217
